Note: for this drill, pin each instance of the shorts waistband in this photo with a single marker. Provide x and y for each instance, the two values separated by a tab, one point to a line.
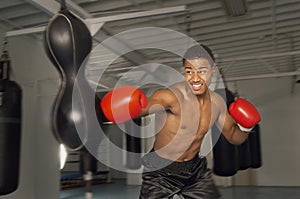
185	166
172	166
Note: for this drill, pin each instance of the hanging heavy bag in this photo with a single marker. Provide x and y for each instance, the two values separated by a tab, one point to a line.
244	155
133	144
67	43
225	154
10	128
255	147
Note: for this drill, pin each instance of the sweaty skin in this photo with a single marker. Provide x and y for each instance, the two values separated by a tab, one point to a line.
186	111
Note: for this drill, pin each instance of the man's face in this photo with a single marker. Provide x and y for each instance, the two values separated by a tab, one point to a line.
198	73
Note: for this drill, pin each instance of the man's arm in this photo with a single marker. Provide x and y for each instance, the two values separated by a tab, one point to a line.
123	103
128	102
160	100
238	122
230	129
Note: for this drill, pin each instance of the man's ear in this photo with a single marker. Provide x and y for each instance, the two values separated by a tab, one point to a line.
214	69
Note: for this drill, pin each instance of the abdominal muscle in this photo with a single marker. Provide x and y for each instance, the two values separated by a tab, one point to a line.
179	141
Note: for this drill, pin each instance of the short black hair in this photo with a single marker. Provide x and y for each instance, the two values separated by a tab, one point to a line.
199	51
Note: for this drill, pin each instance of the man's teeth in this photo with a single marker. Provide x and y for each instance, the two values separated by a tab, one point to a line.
197	85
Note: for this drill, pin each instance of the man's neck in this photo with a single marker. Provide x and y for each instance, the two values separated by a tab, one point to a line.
204	98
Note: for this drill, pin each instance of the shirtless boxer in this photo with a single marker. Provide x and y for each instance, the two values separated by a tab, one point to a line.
184	113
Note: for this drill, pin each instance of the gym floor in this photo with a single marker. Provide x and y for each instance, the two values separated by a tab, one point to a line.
119	190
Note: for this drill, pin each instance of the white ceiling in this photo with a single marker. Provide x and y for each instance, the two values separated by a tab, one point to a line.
264	43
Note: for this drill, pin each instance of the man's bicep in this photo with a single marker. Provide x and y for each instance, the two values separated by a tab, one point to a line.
160	100
224	120
220	120
226	124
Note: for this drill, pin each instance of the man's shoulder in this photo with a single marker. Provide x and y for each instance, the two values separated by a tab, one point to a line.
217	99
215	96
174	92
164	93
179	87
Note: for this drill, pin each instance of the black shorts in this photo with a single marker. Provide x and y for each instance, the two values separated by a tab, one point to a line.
190	179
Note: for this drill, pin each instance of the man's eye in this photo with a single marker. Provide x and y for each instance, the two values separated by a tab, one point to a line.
202	71
189	72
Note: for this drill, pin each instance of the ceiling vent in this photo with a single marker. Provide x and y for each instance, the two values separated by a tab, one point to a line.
235	8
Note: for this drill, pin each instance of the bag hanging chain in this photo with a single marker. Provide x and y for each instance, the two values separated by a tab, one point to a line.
4	62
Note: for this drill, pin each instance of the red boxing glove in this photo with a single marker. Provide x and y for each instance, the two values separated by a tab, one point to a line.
123	103
244	113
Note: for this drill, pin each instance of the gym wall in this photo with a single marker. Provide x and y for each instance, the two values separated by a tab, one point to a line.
280	111
39	163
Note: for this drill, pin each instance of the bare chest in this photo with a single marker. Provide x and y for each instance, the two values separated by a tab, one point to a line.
196	118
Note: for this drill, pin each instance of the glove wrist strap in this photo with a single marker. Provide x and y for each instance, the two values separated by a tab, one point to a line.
247	130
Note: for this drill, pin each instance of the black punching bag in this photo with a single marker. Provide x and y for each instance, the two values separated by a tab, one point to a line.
255	147
133	144
244	155
67	43
225	154
10	128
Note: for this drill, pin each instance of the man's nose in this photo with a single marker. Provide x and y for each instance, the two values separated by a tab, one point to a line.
196	77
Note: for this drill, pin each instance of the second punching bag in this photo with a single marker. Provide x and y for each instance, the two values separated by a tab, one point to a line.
244	155
133	144
10	128
255	147
225	154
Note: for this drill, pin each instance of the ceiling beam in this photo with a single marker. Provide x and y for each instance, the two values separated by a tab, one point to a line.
297	52
249	77
25	31
52	7
155	12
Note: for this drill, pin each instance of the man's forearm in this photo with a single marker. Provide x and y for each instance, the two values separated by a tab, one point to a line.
238	136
